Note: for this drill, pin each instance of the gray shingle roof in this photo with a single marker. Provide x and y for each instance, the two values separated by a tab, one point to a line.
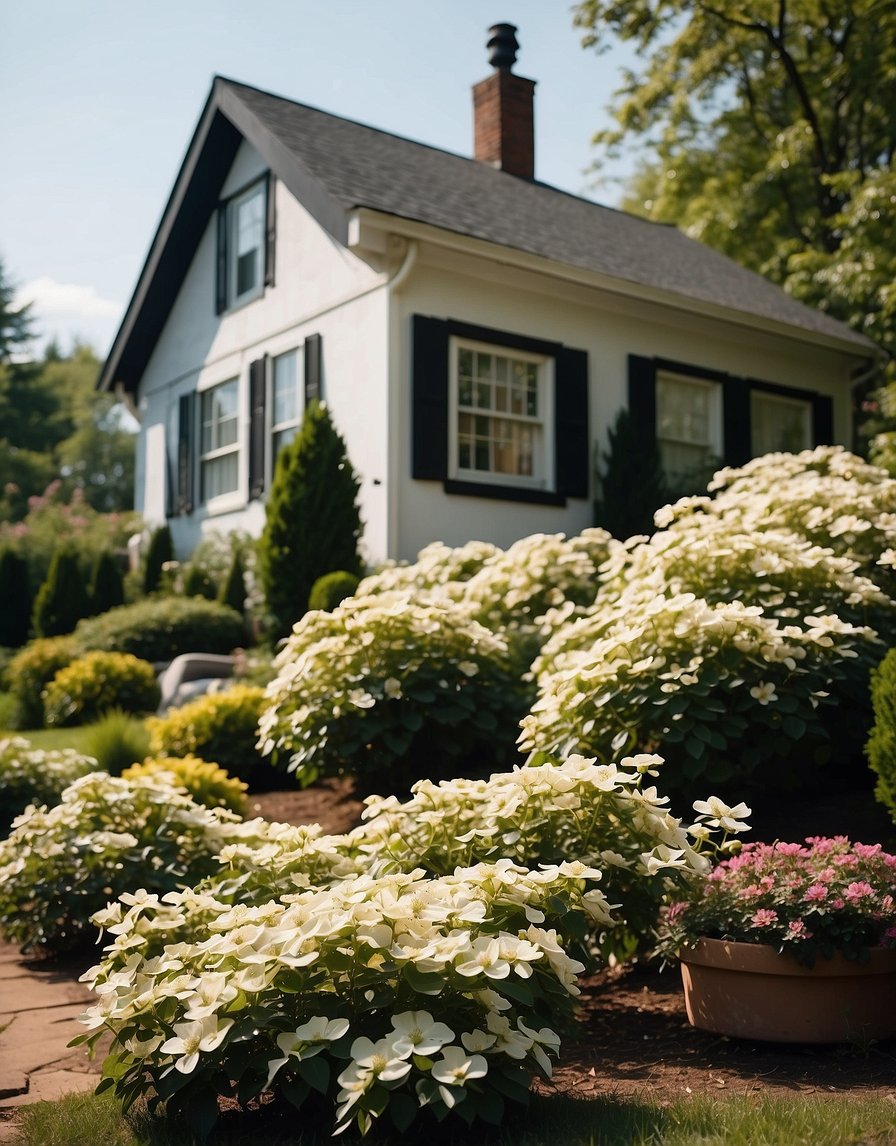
361	166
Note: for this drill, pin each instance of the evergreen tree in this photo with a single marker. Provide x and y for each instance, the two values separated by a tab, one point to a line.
15	595
198	583
106	583
312	523
632	486
62	599
159	551
233	587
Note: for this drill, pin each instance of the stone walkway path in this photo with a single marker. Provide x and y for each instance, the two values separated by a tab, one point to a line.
39	1007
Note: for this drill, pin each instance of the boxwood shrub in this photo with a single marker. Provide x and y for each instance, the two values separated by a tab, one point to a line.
881	747
205	782
30	671
162	628
97	682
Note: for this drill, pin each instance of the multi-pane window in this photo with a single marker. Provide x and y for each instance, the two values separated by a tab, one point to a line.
219	445
246	217
688	425
779	423
500	415
284	401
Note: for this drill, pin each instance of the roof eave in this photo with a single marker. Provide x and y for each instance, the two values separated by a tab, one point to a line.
366	220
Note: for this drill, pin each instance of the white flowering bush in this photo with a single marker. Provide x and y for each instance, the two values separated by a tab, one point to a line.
718	689
438	566
106	836
399	996
389	689
827	495
30	775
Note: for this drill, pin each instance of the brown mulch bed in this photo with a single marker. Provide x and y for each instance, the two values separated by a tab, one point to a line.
635	1039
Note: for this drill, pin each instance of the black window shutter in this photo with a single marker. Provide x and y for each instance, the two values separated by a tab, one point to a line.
429	399
313	358
822	420
221	262
257	426
642	393
270	230
738	445
185	464
572	451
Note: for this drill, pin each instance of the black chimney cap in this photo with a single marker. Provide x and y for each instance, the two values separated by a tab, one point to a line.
502	46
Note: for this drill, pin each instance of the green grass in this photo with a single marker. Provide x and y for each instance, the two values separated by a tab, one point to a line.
557	1121
54	737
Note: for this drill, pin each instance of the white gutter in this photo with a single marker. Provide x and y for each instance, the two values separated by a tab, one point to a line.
395	359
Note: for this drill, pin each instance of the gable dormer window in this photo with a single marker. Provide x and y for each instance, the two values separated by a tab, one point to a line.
245	246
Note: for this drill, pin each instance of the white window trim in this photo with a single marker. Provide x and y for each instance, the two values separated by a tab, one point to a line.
716	426
791	400
233	499
545	476
234	300
271	426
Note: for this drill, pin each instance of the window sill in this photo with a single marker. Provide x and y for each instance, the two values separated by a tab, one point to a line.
504	492
224	503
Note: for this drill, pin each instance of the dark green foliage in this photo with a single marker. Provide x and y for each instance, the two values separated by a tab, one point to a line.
881	747
62	599
329	590
162	628
198	583
116	741
312	525
632	486
159	551
15	599
106	583
233	587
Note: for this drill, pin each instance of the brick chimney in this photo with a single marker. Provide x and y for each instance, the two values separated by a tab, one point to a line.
503	109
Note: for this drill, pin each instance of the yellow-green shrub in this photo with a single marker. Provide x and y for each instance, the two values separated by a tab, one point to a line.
31	670
97	682
205	781
222	726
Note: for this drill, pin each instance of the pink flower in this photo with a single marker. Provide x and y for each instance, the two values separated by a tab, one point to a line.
798	929
789	849
860	890
816	892
750	892
764	917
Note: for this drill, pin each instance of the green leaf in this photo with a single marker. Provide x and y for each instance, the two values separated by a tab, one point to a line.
316	1072
402	1110
294	1090
201	1112
423	982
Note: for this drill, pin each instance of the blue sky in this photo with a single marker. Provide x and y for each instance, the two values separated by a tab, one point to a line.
100	100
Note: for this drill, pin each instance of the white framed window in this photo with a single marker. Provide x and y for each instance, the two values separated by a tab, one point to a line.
219	440
245	244
501	415
285	401
688	424
779	423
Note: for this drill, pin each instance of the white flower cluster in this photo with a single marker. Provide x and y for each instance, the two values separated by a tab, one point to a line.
106	835
31	775
394	983
438	566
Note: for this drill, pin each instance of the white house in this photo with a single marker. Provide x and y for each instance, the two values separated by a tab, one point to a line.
473	330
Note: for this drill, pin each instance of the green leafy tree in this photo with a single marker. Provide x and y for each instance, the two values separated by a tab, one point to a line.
312	523
771	130
159	551
16	323
15	595
106	583
62	599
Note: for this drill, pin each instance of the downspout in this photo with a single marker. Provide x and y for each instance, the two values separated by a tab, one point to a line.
394	406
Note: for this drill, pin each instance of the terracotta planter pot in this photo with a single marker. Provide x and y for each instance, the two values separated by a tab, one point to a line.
750	991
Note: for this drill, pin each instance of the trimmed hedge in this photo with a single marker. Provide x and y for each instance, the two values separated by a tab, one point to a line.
31	670
97	682
881	747
331	590
162	628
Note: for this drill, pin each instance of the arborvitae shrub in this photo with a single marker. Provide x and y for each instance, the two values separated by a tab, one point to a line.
881	747
31	670
328	591
632	486
106	583
15	599
198	583
233	588
62	599
159	551
162	628
312	523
